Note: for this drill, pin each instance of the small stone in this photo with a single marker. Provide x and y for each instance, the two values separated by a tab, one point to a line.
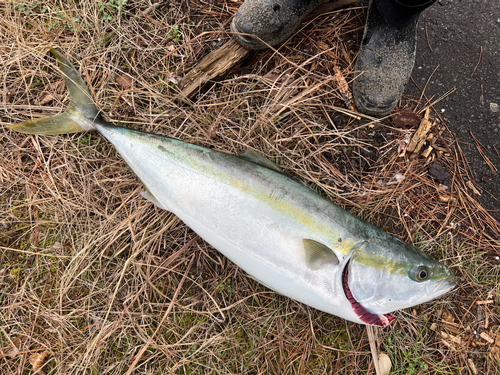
494	107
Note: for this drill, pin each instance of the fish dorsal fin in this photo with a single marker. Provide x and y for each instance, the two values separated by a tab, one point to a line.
146	194
318	254
255	157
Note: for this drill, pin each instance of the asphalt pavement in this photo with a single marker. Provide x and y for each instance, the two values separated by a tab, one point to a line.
461	38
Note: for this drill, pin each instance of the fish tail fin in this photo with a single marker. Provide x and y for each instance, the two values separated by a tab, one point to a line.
78	117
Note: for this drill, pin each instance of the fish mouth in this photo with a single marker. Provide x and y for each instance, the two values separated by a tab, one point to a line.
381	320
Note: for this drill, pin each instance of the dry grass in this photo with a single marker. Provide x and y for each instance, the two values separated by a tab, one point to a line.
95	280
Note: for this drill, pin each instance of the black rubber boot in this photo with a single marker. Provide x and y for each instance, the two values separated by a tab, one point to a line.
385	61
272	21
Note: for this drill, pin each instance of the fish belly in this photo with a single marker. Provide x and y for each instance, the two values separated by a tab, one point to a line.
234	207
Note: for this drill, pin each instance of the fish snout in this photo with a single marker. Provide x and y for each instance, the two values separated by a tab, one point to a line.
437	289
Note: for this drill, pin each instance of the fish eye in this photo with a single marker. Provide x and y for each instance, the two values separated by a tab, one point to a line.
420	273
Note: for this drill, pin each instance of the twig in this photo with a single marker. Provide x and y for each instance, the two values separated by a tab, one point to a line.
154	6
372	338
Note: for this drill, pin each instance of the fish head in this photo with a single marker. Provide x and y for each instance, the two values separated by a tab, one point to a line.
385	275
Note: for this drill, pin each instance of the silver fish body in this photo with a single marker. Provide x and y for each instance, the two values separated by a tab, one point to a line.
276	229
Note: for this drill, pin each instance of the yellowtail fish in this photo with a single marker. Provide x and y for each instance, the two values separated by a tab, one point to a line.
282	233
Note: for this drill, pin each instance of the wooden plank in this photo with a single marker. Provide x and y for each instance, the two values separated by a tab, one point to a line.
220	62
213	67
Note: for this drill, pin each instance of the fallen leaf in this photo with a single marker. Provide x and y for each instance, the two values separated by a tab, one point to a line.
486	337
495	353
451	338
272	76
447	317
406	120
471	186
37	360
439	172
472	366
420	136
46	99
125	81
384	363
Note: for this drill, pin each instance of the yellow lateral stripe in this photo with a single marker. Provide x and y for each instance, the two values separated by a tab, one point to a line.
274	202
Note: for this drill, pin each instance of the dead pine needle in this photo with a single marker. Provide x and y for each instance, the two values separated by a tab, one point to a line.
479	61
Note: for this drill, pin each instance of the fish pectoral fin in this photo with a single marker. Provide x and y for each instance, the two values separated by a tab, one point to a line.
318	254
146	194
255	157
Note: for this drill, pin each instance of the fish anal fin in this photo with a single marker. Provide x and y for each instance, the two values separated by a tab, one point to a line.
318	254
260	282
146	194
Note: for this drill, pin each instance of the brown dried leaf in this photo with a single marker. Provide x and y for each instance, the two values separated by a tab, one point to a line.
486	337
406	120
272	76
495	353
343	87
471	186
46	99
125	81
451	338
37	360
418	139
447	316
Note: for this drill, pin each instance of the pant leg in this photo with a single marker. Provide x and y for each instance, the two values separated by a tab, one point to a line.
402	12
